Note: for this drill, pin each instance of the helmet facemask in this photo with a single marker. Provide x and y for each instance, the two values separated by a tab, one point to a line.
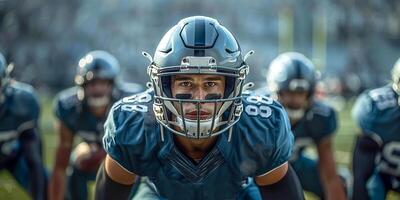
169	110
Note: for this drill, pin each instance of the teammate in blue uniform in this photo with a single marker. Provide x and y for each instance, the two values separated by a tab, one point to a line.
291	79
194	136
20	152
81	111
376	159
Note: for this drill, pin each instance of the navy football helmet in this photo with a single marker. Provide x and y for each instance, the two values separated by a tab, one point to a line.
96	64
4	76
291	71
197	45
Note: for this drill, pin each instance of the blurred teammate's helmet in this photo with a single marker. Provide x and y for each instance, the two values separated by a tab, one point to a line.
96	64
198	45
3	66
4	77
291	71
396	77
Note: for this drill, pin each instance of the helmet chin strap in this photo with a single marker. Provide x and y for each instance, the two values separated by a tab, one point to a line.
295	114
98	101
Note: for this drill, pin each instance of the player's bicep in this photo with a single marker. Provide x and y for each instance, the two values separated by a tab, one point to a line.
118	173
272	176
66	135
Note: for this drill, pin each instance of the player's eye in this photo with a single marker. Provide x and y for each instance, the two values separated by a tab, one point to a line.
211	84
185	84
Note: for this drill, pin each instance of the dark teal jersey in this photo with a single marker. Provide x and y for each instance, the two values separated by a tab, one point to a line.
261	141
19	112
318	122
377	113
75	114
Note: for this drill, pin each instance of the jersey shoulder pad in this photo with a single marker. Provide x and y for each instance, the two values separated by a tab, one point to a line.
130	133
374	107
23	101
67	104
322	119
126	89
69	98
264	128
321	109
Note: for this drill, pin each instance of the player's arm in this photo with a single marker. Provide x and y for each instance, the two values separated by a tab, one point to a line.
332	183
365	151
280	183
31	150
113	181
63	152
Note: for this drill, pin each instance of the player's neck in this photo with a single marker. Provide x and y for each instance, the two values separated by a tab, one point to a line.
194	148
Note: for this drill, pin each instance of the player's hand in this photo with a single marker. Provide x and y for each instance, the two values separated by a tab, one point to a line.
89	156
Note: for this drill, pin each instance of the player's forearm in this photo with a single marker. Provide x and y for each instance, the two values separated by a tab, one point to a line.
288	187
57	181
333	186
56	188
334	189
106	188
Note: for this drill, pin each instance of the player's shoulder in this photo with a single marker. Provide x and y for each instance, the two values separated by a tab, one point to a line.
134	108
24	101
69	99
375	103
265	115
321	109
131	121
261	107
125	89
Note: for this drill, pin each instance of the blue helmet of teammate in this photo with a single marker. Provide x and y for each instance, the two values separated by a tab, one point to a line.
291	71
197	45
96	64
3	66
3	77
396	77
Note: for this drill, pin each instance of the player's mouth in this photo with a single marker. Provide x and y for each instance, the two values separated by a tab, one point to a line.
203	115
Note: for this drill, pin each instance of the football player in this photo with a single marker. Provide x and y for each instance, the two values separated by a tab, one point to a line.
20	152
376	158
291	79
194	136
81	111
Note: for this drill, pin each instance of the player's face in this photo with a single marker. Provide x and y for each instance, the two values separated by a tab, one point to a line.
98	92
198	87
294	99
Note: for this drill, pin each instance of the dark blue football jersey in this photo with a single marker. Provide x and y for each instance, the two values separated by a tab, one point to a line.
18	112
319	122
377	113
261	141
74	112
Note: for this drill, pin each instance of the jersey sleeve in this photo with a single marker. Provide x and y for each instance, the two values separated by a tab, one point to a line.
283	140
263	135
26	107
364	114
128	141
64	108
324	123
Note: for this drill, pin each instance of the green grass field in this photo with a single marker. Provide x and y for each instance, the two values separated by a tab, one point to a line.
10	191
